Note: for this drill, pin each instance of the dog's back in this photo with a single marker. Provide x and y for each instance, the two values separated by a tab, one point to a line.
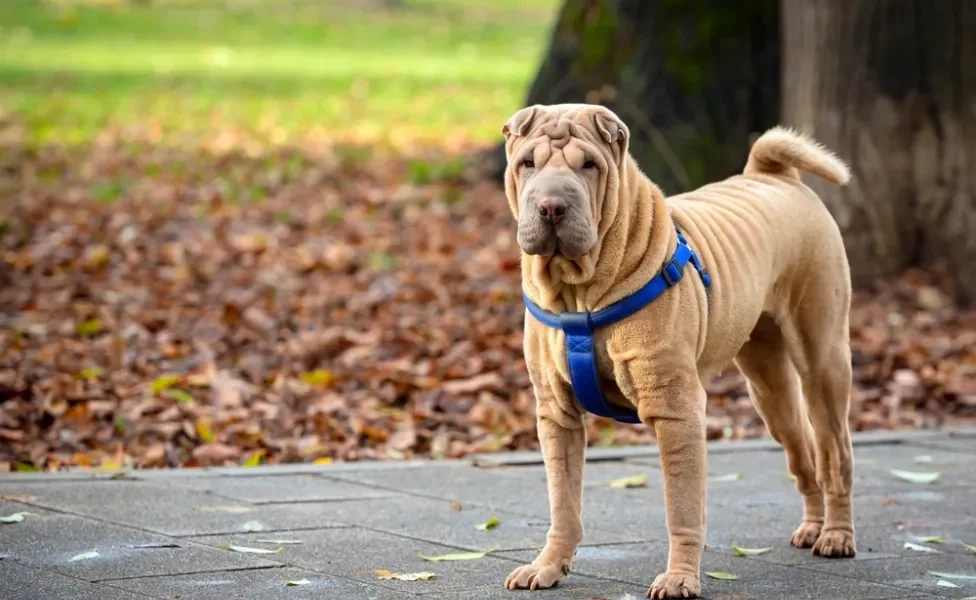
765	235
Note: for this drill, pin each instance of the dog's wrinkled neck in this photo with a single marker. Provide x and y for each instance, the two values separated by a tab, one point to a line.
632	247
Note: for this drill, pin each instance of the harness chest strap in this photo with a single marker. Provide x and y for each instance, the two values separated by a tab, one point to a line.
579	328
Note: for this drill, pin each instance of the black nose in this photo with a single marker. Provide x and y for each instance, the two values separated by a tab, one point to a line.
552	209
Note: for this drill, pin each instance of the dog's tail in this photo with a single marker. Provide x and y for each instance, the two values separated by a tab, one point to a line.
782	151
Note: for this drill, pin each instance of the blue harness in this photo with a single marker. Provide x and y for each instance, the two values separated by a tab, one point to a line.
579	327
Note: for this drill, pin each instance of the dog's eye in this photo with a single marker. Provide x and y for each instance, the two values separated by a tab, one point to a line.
589	165
528	163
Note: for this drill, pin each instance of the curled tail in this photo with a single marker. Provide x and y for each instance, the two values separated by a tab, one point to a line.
783	151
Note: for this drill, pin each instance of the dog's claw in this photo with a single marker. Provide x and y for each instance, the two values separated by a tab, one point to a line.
535	577
806	534
674	585
835	543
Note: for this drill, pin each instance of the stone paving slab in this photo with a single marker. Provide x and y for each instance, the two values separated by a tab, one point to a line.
275	489
49	542
640	563
160	508
354	518
436	521
912	573
354	553
256	584
20	582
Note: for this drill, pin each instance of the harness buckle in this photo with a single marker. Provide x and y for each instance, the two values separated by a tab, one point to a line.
672	273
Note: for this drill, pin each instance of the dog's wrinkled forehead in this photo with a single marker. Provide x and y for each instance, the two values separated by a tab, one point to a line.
563	122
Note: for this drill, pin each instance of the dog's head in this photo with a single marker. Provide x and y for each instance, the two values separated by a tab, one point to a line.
564	165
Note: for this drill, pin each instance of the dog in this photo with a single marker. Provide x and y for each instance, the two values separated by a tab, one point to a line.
773	296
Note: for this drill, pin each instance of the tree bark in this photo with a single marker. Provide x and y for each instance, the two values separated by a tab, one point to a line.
694	79
891	86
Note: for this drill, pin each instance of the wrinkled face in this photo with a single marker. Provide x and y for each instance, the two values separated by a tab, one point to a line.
558	163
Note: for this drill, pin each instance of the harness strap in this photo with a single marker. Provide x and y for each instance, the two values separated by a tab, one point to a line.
579	327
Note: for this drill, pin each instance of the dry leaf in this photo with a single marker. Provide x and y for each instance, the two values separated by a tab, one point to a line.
725	478
749	551
633	481
252	526
247	550
387	575
457	556
915	477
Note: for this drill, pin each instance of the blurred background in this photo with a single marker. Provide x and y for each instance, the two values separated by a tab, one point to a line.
237	232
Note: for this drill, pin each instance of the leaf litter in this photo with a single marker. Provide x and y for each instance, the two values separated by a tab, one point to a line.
377	320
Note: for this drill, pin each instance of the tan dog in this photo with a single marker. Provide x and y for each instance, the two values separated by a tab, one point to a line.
593	230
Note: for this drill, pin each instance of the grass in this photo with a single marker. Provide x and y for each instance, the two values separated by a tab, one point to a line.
427	70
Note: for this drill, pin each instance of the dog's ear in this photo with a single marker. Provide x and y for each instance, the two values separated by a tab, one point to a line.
520	122
611	128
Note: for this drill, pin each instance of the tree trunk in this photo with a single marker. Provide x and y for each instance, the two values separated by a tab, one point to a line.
694	79
891	86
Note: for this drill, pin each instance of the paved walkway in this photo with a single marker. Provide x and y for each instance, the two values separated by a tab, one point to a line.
165	534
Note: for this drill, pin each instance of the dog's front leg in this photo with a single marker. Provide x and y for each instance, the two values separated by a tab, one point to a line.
674	405
563	439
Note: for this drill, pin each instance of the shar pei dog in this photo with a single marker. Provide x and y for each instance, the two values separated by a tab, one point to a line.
620	324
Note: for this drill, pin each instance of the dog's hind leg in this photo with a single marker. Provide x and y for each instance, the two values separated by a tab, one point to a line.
818	340
774	387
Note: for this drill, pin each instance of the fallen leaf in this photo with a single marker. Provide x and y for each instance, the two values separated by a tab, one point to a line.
294	582
634	481
179	395
749	551
204	431
929	539
252	526
487	525
247	550
17	517
456	506
952	575
721	575
84	556
164	382
915	476
387	575
18	498
948	584
322	461
320	378
458	556
725	478
969	547
254	459
279	542
89	328
918	548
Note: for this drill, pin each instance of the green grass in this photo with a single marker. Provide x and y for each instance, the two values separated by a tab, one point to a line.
429	70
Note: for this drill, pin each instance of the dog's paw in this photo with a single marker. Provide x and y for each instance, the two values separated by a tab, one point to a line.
675	585
536	577
806	534
835	543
